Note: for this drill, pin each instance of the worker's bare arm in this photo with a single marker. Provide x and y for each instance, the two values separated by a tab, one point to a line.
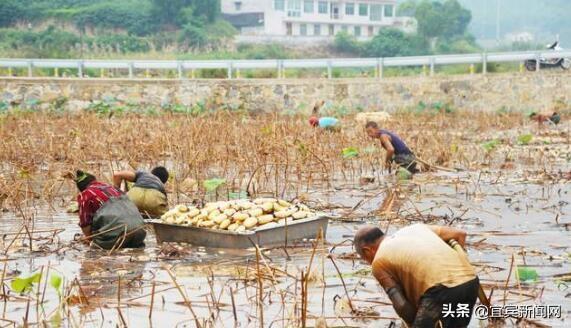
448	233
396	294
118	177
386	142
87	233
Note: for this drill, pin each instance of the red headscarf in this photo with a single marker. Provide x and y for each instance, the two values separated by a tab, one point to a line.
313	121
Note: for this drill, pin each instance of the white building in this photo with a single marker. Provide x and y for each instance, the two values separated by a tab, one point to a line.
312	19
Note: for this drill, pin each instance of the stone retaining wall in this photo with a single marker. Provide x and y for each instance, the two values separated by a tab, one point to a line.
538	91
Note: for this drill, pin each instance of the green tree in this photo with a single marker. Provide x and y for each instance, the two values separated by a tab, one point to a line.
182	12
133	16
407	8
457	19
10	11
194	35
53	42
168	12
390	42
209	9
346	43
441	19
210	34
430	18
459	45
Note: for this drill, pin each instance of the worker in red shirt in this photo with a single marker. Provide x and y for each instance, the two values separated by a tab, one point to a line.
106	216
545	118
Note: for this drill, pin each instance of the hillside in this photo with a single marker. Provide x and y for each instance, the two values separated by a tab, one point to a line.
193	29
64	28
543	19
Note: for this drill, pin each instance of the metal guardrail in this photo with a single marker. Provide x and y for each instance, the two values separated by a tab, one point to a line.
280	66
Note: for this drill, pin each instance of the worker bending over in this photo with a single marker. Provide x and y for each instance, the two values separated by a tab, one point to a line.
545	118
423	276
106	216
397	150
327	123
148	192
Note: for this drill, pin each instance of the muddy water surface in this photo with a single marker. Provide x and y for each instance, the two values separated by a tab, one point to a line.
510	218
516	218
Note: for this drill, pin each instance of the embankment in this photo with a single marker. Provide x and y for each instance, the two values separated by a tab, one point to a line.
538	91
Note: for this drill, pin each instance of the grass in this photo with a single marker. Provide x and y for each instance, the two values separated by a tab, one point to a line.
254	154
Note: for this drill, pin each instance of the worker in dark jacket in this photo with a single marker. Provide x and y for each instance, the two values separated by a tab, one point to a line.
397	150
106	216
148	191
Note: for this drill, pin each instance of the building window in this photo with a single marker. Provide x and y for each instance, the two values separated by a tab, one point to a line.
303	29
344	28
322	7
308	6
389	10
279	5
335	10
357	31
349	9
376	12
371	31
363	9
317	29
331	29
238	5
294	8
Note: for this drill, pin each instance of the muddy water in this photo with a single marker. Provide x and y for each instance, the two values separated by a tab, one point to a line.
505	218
521	215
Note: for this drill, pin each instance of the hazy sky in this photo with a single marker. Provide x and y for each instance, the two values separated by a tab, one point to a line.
544	19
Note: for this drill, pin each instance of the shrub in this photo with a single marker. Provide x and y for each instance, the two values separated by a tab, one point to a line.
10	11
131	15
48	43
390	42
347	43
198	36
122	43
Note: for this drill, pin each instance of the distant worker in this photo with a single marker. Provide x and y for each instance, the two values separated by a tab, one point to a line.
327	123
148	191
397	150
106	216
543	118
426	280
